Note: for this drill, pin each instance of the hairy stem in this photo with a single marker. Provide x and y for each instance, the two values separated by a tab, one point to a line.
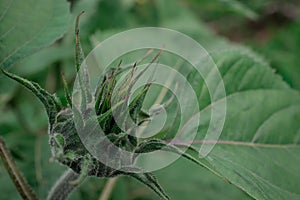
108	188
62	188
21	184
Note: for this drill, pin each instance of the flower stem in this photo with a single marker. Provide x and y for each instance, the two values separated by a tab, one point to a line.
62	188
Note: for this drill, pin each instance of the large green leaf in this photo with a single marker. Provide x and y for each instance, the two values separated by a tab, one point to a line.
27	26
191	184
258	150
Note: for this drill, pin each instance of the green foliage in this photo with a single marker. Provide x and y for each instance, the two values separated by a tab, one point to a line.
25	29
65	141
251	150
258	151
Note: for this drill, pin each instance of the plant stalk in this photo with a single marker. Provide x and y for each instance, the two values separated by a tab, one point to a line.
63	188
21	184
108	188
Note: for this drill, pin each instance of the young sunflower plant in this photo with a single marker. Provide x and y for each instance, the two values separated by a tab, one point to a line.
66	145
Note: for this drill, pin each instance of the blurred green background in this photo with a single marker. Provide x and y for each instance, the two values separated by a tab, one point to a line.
269	27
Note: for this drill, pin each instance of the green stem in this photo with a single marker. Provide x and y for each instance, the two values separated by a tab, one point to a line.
62	188
108	188
21	184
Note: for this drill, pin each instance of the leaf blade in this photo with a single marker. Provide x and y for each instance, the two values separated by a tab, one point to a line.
22	33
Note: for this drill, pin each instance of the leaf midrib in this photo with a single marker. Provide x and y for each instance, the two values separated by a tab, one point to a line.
237	143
